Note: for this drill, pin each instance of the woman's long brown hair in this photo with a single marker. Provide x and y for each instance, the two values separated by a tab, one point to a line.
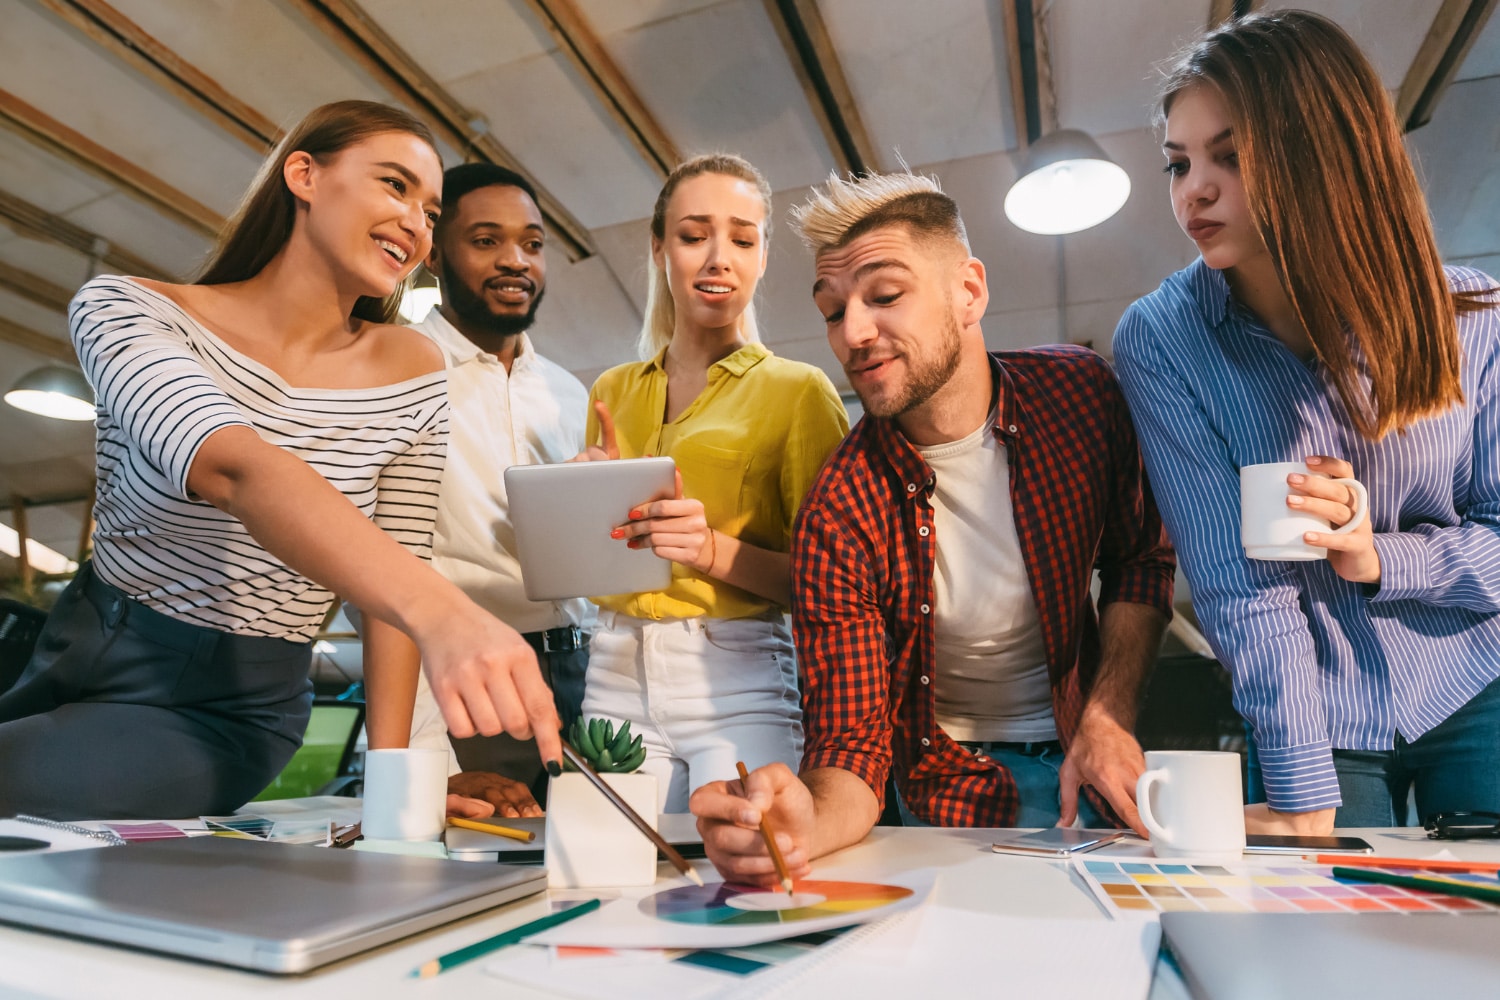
262	224
1340	209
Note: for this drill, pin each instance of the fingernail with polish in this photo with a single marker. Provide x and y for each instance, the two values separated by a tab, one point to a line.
635	515
617	533
554	768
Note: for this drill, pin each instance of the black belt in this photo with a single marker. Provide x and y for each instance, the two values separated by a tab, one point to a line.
566	639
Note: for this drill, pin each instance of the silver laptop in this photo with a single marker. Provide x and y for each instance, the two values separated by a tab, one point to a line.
563	515
1253	956
267	907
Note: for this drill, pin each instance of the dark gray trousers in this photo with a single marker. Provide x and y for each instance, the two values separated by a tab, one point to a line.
125	713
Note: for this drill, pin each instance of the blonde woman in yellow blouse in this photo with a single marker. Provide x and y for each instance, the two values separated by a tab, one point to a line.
705	668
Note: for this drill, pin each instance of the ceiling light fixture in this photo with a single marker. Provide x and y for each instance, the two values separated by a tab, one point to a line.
422	296
54	391
1069	184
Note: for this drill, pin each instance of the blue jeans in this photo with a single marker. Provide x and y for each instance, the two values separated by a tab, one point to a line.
1034	766
1455	765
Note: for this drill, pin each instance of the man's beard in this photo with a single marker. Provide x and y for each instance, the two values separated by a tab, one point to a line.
927	375
475	312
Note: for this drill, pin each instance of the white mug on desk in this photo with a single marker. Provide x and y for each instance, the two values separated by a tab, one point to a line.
406	794
1269	529
1193	804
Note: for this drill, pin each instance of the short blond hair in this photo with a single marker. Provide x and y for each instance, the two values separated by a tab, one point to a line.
846	208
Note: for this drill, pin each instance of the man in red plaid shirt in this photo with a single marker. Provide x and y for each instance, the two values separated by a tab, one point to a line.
942	562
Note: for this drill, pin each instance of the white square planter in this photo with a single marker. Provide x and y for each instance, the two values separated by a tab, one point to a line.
589	843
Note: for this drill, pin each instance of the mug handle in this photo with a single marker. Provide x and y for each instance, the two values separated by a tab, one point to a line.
1361	506
1143	804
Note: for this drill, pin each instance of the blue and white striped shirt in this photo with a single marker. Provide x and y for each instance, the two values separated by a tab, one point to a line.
1319	662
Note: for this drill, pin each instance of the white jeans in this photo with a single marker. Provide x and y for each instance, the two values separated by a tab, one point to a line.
703	692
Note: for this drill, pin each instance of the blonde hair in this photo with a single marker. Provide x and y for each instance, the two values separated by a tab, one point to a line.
661	312
263	222
1339	207
845	209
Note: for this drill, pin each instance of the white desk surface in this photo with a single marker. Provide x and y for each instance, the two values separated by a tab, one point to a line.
34	965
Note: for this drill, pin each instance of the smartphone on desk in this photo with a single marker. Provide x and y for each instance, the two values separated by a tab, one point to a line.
1056	842
1263	843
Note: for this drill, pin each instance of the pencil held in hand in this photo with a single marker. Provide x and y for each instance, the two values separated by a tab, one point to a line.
769	836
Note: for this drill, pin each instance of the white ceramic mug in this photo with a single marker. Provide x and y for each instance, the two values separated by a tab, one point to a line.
406	794
1193	804
1269	529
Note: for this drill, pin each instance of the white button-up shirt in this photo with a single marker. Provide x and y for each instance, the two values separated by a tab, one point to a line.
532	415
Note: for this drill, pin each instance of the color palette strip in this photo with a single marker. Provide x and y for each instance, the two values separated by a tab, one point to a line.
1146	888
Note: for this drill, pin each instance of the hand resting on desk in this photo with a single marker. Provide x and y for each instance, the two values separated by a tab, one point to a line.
1261	818
481	794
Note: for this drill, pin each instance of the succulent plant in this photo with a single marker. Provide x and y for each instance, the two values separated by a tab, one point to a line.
607	751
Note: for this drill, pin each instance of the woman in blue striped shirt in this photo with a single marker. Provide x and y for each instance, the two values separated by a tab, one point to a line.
251	426
1319	325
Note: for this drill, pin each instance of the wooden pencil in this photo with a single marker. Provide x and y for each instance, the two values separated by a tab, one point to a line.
524	836
668	851
1434	865
769	836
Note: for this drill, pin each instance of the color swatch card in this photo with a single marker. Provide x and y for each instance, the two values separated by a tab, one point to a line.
1146	888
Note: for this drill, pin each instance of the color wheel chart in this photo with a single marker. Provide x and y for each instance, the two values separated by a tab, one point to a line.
1145	888
720	903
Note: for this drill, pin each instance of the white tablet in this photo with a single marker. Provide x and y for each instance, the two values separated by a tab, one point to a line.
563	515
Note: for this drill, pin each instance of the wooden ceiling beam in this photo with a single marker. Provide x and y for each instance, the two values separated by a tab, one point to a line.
576	39
1015	66
34	289
134	46
51	135
811	53
37	343
37	223
1453	30
368	46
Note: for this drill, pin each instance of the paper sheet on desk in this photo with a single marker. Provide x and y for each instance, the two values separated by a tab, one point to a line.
933	951
719	973
621	924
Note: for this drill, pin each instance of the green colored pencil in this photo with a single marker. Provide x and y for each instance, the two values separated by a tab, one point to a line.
513	936
1444	886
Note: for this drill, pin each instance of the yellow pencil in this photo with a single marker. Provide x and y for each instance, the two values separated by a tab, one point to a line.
524	836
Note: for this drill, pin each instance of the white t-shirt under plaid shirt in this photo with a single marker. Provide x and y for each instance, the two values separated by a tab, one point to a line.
164	384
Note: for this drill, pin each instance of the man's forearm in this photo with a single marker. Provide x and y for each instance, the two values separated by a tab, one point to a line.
845	807
1129	639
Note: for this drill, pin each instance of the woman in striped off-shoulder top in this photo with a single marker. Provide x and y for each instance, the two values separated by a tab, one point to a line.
251	427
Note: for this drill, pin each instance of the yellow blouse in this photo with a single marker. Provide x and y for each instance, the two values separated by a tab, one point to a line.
748	447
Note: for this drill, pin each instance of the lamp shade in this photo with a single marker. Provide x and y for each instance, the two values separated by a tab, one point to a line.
54	391
1068	184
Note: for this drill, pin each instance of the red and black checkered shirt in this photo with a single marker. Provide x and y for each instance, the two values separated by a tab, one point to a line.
862	572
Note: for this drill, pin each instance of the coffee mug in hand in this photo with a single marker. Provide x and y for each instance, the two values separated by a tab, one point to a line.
1269	529
1193	804
406	794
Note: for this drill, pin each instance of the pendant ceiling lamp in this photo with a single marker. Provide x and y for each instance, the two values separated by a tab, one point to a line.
54	391
1068	184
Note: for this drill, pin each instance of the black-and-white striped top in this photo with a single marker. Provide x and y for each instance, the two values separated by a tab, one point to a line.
164	384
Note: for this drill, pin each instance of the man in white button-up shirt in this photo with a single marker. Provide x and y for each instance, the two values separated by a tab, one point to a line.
509	406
